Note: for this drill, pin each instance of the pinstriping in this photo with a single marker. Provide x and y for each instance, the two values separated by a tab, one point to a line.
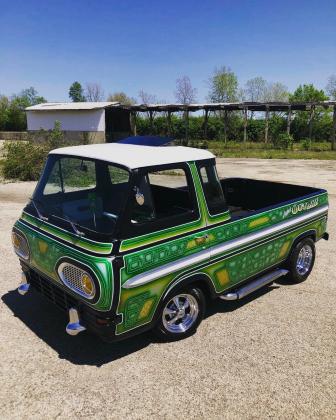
155	273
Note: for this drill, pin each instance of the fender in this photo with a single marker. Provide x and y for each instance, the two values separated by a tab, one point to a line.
308	234
201	280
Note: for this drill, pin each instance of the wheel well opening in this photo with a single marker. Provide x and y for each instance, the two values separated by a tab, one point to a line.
204	286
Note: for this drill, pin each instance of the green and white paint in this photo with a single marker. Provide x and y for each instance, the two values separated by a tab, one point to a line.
226	251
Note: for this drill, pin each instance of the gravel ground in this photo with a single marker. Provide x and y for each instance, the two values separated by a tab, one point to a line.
271	355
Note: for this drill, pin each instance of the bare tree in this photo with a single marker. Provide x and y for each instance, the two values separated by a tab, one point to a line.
255	89
331	87
94	92
147	98
276	92
185	93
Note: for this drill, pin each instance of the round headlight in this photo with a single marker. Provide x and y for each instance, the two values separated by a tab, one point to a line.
88	285
78	279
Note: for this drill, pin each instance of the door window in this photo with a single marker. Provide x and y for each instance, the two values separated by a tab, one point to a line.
212	189
162	199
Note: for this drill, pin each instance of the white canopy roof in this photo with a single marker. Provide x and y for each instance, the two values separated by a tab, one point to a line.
133	156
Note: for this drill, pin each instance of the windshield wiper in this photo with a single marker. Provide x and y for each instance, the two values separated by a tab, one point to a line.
40	215
72	224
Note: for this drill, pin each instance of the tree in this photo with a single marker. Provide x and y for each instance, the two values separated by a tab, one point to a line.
76	93
4	106
331	87
308	93
255	89
305	122
14	108
94	92
185	93
121	97
276	92
147	98
223	85
31	96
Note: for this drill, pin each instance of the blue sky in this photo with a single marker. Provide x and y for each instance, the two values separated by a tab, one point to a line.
131	45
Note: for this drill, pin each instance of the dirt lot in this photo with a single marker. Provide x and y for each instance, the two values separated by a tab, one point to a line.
271	355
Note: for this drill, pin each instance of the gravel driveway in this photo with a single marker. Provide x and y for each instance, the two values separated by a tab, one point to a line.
270	355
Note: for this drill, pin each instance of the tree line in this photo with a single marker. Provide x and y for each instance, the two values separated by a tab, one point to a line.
223	86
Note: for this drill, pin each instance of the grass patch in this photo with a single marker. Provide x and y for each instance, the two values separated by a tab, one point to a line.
317	150
274	154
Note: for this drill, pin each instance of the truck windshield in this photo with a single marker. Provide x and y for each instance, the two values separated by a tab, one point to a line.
82	195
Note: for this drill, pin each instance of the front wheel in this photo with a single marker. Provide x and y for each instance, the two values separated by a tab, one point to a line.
301	260
181	314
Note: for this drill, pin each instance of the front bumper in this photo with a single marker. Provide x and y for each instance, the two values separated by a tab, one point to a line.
100	323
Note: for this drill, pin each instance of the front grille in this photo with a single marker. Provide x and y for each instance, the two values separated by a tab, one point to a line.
71	275
51	291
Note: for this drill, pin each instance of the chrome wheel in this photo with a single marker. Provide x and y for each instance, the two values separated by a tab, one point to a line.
304	260
180	313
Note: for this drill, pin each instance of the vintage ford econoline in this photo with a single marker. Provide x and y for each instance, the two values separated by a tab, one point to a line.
128	238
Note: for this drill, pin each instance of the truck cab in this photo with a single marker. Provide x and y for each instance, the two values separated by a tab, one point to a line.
128	238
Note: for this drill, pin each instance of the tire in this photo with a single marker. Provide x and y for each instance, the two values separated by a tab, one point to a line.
176	324
301	260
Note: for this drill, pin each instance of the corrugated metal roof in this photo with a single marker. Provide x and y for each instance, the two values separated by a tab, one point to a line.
65	106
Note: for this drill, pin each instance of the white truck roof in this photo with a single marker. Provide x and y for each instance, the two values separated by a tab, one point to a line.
134	156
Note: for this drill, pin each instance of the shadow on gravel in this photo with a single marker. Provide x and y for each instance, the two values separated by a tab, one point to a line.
222	306
48	323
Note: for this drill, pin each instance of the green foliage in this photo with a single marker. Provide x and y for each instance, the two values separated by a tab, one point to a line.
56	137
283	141
30	97
12	110
76	92
305	144
23	160
121	97
267	151
308	93
223	85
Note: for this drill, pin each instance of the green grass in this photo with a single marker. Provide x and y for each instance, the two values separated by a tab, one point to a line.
318	150
274	154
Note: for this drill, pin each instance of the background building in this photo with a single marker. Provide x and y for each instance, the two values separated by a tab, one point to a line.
95	122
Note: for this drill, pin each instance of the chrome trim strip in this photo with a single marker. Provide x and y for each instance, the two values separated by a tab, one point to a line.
158	272
218	249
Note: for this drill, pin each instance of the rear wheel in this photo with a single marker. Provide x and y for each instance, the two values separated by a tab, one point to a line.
301	260
181	314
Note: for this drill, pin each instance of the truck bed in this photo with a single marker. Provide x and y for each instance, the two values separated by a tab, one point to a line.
247	196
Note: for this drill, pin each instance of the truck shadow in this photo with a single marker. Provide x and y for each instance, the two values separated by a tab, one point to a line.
48	323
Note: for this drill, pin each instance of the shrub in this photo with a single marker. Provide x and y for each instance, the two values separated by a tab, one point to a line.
305	144
23	160
283	141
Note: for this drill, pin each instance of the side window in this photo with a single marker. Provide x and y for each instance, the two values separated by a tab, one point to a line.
53	185
118	175
70	175
212	189
164	197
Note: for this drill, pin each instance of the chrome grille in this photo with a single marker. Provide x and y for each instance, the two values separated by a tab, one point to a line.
71	276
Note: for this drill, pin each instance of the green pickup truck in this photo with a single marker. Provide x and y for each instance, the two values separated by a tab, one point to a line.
128	238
